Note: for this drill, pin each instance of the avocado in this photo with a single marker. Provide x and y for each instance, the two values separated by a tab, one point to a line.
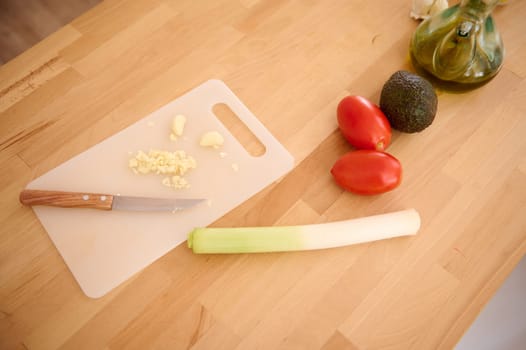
409	102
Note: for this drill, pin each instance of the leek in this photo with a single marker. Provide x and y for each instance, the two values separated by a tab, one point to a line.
304	237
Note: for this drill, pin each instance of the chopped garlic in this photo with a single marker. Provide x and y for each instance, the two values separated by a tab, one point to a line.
179	182
212	139
167	182
423	9
223	154
178	124
162	162
235	167
176	182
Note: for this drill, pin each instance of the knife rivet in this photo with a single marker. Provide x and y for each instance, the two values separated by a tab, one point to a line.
85	197
103	198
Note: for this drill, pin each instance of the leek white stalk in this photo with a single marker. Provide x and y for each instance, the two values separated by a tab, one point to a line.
304	237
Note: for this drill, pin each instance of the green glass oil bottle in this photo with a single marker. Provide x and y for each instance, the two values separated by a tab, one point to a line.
459	47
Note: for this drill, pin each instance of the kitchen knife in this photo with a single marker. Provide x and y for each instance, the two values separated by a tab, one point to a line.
104	201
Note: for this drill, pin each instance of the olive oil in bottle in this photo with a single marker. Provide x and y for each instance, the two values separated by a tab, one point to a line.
460	47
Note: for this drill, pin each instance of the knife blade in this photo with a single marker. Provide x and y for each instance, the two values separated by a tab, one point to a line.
104	201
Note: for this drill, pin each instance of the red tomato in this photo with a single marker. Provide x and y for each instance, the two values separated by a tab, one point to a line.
363	123
367	172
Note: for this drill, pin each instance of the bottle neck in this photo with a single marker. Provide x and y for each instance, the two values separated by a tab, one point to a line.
477	10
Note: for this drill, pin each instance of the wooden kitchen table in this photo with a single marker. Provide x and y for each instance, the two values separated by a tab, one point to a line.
290	62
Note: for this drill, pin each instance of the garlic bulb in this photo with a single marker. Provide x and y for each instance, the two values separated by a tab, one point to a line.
423	9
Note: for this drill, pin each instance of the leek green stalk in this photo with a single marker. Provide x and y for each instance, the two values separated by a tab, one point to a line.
304	237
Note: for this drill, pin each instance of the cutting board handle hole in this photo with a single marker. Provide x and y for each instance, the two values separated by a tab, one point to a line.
241	132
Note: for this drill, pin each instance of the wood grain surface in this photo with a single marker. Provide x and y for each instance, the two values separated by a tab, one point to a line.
25	23
290	62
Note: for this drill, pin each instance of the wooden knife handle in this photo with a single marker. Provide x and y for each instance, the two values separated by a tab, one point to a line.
67	199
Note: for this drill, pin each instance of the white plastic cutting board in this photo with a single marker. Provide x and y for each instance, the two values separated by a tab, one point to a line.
104	248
